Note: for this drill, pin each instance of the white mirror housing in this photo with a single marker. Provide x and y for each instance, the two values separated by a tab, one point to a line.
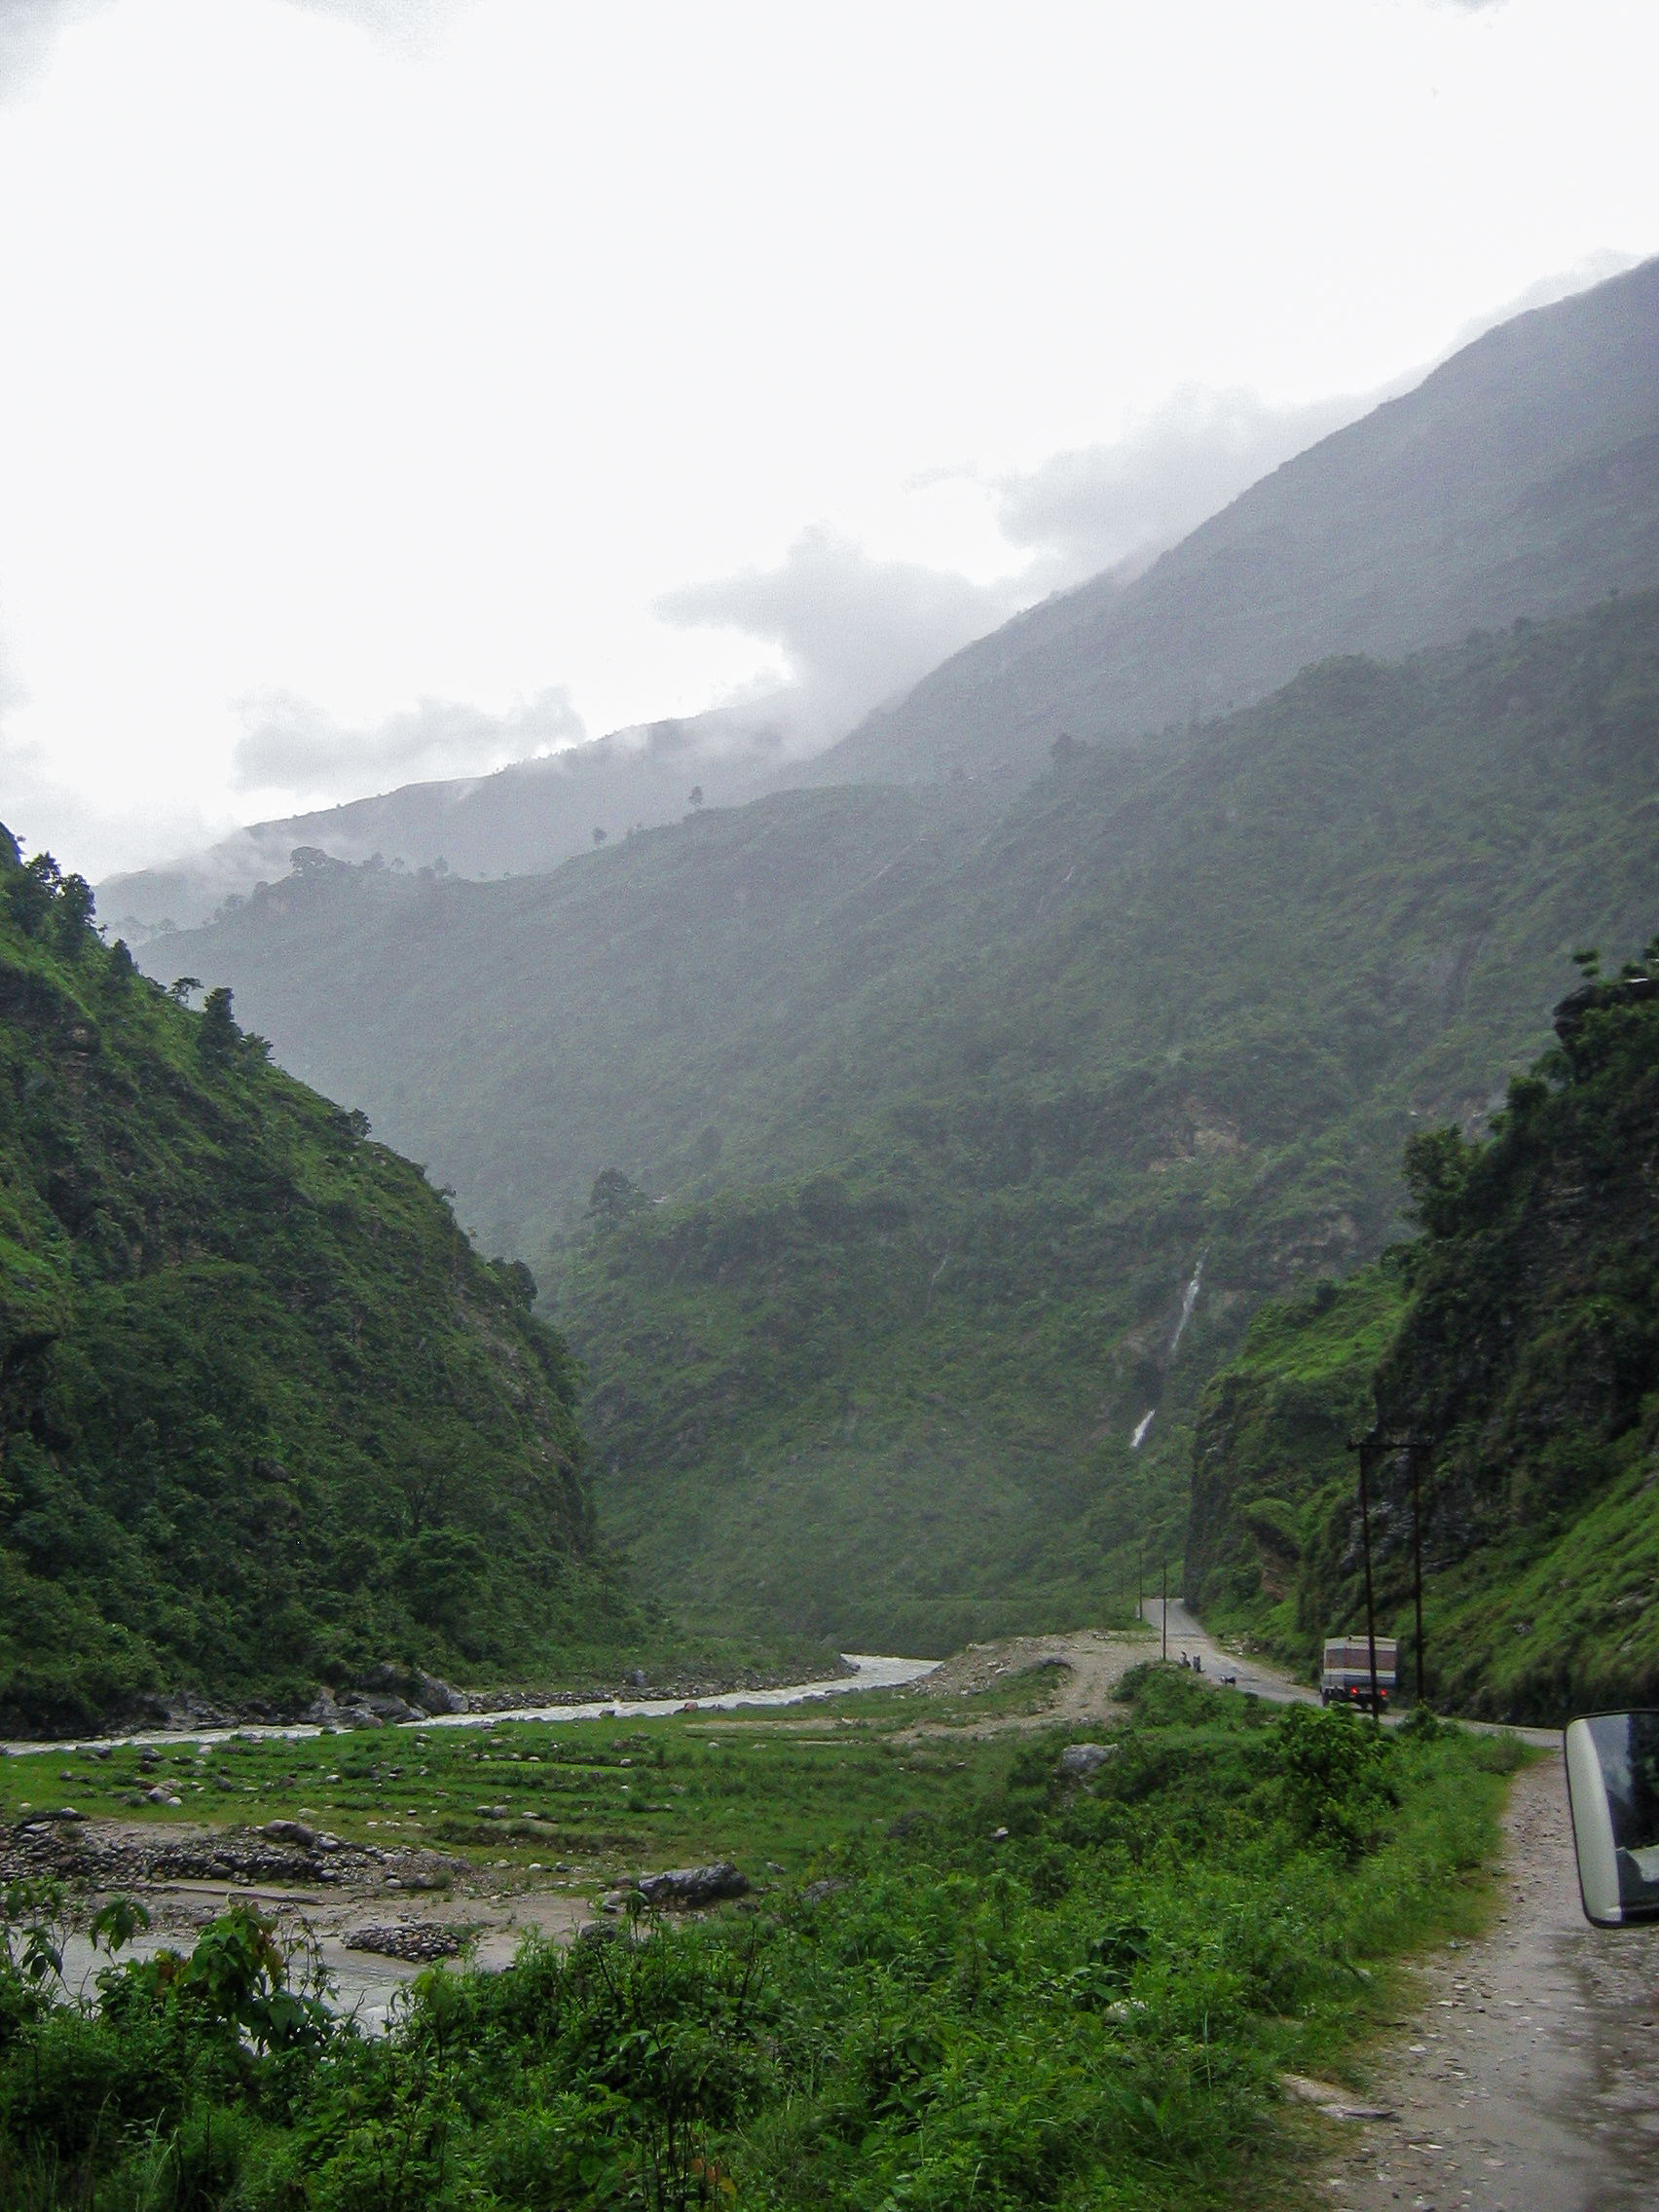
1612	1787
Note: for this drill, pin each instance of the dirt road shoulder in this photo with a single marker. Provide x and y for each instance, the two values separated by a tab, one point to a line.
1528	2077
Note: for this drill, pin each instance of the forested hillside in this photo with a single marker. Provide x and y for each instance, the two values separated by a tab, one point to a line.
1510	1356
267	1420
947	1120
1522	477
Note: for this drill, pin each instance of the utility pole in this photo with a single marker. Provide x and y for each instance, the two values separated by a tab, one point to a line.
1166	1608
1369	1606
1417	1562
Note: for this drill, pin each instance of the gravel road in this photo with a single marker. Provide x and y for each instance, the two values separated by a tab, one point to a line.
1188	1641
1526	2079
1529	2079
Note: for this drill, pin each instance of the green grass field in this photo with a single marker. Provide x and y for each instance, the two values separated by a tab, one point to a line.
757	1785
962	1976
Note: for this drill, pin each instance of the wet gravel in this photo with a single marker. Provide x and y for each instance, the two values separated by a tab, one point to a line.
1527	2078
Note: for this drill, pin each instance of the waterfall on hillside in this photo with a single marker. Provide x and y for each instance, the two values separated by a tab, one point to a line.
1189	1299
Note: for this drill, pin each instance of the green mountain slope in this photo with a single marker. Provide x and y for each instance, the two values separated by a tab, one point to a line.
1522	477
1511	1355
636	1008
1519	478
527	815
944	1118
1189	1016
266	1419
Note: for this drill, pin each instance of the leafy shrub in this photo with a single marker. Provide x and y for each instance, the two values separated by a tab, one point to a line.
940	2028
1338	1787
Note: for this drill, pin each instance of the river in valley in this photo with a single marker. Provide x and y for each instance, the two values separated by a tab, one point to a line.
366	1984
870	1672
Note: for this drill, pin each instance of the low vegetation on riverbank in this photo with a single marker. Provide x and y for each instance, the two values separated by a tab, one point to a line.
977	1976
752	1785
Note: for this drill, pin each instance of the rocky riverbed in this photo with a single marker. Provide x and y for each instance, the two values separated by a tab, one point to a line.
110	1854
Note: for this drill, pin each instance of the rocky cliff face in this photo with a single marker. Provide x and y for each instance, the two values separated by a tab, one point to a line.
1533	1337
1511	1356
1270	1453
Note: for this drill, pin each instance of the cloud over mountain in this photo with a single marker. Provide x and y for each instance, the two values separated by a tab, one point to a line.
407	23
27	29
1094	508
291	745
851	630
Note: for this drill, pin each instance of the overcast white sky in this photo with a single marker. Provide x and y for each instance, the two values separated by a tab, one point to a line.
396	386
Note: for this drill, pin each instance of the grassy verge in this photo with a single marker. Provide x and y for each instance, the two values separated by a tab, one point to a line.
606	1797
965	1978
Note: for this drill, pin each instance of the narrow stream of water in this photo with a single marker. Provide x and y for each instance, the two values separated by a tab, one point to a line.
871	1672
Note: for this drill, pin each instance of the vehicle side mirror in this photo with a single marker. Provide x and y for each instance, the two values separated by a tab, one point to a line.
1612	1787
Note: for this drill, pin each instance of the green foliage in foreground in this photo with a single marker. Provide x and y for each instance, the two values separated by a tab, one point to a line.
1512	1352
1091	2008
265	1418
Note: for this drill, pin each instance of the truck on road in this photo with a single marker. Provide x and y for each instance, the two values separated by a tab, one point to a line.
1346	1676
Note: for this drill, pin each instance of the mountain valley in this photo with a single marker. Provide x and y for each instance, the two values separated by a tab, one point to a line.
920	1129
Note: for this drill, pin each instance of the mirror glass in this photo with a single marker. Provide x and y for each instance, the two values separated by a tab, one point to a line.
1612	1780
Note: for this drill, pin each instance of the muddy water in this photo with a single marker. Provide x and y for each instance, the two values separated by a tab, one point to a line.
366	1986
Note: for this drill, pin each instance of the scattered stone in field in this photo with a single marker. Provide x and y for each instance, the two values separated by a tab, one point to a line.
421	1942
88	1850
814	1893
686	1888
290	1832
1085	1758
999	1835
157	1795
